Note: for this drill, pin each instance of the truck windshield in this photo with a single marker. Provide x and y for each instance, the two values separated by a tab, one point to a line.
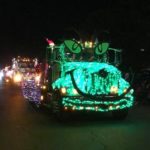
85	55
26	65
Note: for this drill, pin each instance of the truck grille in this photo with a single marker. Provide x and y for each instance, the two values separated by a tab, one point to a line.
97	84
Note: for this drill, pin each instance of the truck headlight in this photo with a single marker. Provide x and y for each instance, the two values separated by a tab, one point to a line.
69	91
17	78
37	79
43	87
63	90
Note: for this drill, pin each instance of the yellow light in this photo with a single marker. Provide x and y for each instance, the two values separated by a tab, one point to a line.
125	90
17	78
90	44
63	90
114	89
44	87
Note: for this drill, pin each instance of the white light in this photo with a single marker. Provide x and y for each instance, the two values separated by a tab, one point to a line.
37	78
74	107
7	80
75	91
9	73
142	49
81	107
1	75
42	98
63	90
131	91
114	89
65	108
96	108
117	106
110	107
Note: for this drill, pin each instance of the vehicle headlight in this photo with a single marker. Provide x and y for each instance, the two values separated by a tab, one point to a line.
114	90
7	80
69	91
43	87
63	90
17	78
37	78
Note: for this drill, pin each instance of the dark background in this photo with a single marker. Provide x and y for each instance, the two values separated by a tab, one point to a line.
25	25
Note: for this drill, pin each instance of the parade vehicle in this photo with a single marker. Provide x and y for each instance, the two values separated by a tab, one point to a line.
26	73
24	68
7	74
84	76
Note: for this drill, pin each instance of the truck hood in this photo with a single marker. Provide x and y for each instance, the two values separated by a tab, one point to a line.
91	78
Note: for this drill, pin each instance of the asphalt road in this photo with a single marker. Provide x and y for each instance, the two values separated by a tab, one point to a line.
24	128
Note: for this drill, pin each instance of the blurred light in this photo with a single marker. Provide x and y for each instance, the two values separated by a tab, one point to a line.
9	73
37	78
75	91
142	49
117	106
17	78
125	90
114	89
42	98
7	80
66	108
110	107
63	90
74	107
1	75
43	87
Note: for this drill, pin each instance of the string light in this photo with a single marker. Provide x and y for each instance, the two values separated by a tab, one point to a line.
31	91
81	82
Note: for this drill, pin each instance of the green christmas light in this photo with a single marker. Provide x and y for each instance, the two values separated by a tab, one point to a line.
89	85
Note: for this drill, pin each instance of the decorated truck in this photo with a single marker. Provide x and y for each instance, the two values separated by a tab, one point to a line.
24	68
84	76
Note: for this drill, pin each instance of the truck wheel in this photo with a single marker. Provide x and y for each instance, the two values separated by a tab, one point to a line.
57	108
120	114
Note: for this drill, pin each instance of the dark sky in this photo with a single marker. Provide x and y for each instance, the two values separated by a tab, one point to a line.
24	25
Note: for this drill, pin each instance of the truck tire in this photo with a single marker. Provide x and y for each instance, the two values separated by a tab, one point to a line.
120	114
57	108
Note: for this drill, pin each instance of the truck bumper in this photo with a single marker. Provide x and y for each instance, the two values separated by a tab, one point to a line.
80	103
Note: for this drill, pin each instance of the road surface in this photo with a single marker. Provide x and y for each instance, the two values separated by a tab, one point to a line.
24	128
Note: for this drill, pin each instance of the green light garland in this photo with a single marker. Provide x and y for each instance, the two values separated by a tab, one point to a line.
94	79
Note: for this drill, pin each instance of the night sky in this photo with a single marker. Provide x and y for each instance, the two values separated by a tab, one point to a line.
25	25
